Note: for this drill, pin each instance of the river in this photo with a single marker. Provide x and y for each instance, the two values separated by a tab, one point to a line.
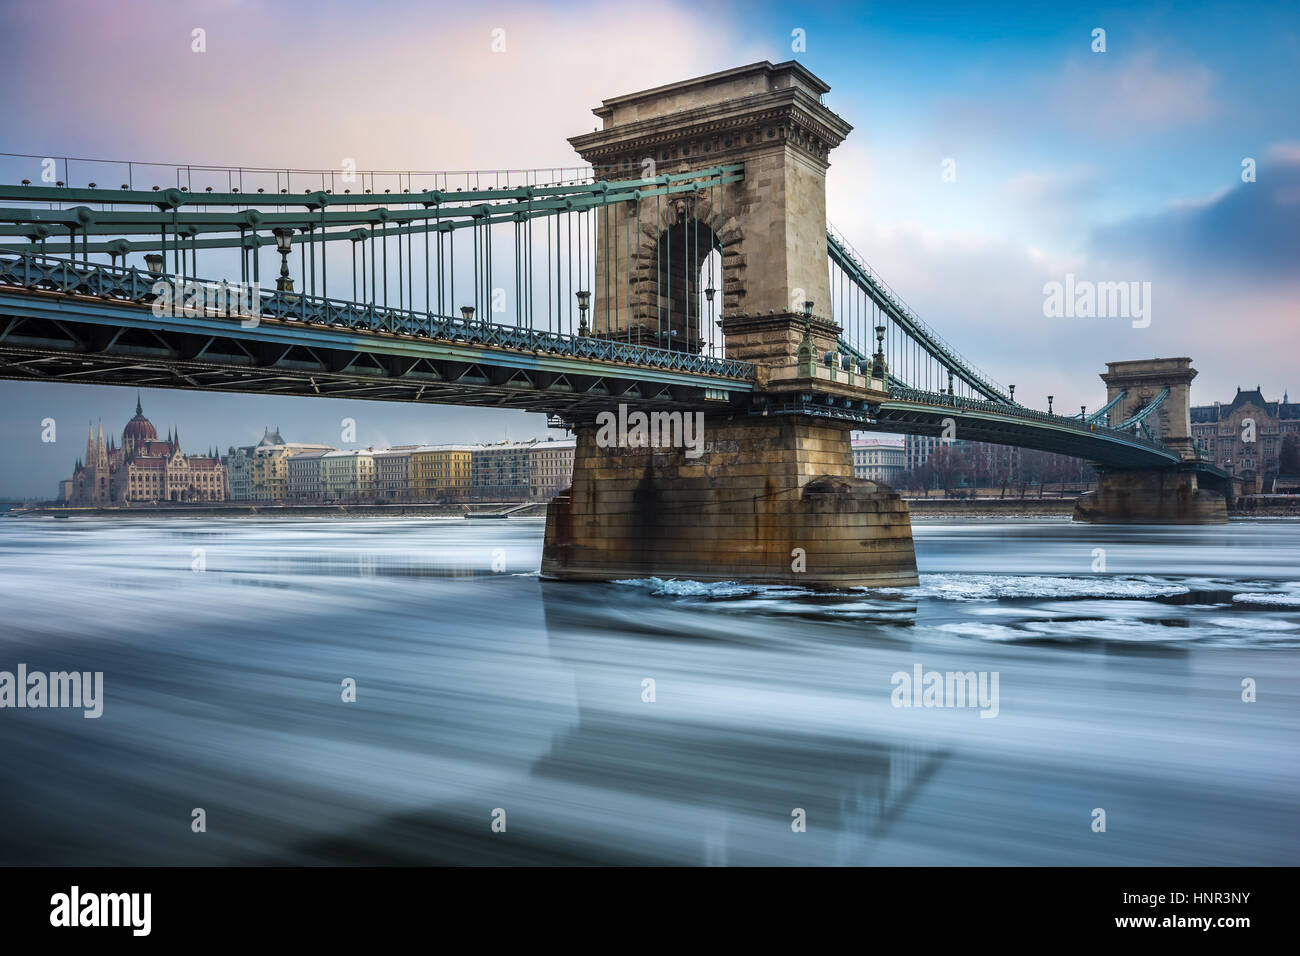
501	718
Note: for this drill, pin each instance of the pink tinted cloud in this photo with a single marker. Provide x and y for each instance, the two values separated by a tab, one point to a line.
391	87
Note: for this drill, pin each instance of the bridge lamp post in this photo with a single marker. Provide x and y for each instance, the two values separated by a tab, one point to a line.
1013	393
807	308
467	313
584	300
708	297
153	261
116	249
1083	411
283	244
1049	404
879	369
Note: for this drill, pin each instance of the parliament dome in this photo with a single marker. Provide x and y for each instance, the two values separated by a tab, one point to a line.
138	429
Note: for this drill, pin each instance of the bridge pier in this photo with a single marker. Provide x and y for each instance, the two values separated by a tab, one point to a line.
1151	496
769	500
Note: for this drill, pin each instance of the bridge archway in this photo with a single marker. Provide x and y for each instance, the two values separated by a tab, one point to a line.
675	303
650	275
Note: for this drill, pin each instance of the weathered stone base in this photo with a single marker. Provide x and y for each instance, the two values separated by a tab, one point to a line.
1150	496
761	489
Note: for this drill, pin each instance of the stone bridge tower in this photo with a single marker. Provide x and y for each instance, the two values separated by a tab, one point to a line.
1171	495
1143	381
770	227
767	498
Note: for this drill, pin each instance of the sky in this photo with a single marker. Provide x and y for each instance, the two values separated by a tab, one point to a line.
1117	165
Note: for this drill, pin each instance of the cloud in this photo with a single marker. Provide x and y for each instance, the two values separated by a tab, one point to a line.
416	87
1054	187
1110	96
1286	152
1106	96
1246	230
1050	202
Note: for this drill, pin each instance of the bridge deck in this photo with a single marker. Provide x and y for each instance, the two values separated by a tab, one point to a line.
68	322
95	324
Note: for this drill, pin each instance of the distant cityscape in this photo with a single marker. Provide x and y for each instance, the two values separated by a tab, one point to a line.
143	468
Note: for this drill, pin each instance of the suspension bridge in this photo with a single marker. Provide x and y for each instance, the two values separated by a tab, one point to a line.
687	266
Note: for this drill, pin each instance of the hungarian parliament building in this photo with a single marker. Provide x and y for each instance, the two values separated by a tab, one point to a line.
143	468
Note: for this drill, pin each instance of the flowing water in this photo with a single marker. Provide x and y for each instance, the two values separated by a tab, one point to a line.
648	721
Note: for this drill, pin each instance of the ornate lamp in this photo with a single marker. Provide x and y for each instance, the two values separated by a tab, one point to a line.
879	367
283	244
584	300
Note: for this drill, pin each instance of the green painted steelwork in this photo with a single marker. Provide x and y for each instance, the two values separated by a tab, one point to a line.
917	412
1100	414
910	324
438	212
1142	413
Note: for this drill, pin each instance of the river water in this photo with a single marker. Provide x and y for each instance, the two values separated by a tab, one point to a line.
648	721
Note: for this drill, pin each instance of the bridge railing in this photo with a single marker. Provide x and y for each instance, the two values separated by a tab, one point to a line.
159	290
1020	411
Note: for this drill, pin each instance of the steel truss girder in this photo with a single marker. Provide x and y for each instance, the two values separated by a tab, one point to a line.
274	361
30	363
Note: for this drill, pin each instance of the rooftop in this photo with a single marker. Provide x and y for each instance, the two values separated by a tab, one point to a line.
1219	410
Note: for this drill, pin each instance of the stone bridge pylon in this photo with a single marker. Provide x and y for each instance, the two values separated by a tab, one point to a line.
771	495
1172	495
770	227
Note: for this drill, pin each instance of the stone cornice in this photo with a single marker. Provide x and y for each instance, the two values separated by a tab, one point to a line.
1153	379
779	117
765	67
767	321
